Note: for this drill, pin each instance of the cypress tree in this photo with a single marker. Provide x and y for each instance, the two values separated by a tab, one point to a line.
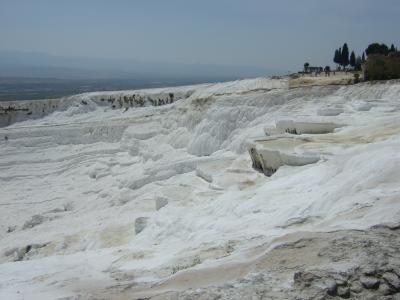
352	59
335	57
392	48
363	58
339	58
345	55
358	63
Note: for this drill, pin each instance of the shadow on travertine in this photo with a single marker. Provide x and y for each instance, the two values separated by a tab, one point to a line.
286	144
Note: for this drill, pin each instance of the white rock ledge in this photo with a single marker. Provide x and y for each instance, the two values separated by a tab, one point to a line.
269	154
296	127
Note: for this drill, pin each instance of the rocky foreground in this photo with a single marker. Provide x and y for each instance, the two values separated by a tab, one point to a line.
336	265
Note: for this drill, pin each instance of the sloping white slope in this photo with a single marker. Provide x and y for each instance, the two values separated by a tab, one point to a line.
73	183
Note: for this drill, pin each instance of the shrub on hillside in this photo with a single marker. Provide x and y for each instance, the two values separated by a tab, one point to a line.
381	67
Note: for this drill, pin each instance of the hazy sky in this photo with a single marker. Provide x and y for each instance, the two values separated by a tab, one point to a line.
277	34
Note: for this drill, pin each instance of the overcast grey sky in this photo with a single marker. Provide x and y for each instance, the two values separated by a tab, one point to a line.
274	34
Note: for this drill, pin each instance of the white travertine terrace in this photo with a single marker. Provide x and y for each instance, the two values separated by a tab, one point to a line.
162	201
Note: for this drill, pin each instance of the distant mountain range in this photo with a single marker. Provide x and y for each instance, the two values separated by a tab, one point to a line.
33	64
26	75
